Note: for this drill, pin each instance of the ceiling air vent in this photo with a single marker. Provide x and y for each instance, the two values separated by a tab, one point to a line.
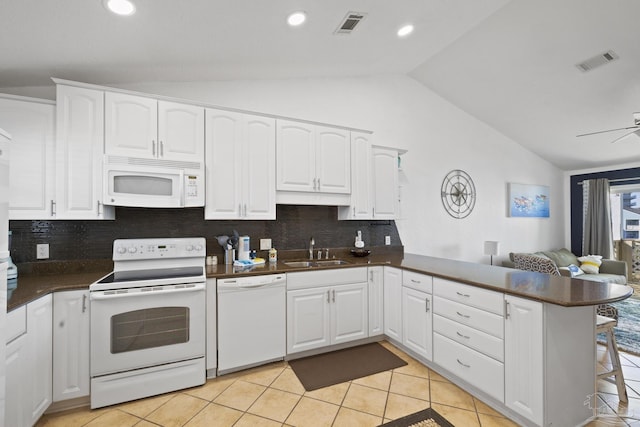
597	61
350	22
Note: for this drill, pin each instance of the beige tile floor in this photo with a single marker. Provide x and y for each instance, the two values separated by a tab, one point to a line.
271	395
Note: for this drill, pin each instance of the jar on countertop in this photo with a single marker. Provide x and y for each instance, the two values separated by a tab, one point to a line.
273	255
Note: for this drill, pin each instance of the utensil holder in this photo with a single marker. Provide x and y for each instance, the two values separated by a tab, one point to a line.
229	256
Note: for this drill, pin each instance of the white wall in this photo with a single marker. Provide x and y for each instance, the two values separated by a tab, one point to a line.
439	137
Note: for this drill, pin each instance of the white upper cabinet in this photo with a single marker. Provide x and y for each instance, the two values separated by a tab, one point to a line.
131	125
79	151
385	183
180	131
361	206
137	126
241	164
313	158
31	124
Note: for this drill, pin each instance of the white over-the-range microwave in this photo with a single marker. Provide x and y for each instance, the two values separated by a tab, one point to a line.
152	183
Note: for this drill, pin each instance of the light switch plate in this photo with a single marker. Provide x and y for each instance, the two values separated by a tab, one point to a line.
42	251
265	244
387	240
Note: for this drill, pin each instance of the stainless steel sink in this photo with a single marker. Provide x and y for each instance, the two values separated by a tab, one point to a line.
298	264
330	262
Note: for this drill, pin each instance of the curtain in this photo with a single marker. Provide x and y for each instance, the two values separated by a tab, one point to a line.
597	230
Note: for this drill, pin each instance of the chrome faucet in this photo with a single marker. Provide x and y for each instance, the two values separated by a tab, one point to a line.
311	243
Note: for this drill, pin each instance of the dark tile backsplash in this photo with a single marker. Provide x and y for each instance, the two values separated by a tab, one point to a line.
76	240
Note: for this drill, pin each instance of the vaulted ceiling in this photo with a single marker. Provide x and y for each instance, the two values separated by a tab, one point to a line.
510	63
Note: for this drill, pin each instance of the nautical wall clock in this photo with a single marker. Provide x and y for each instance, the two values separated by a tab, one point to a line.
458	194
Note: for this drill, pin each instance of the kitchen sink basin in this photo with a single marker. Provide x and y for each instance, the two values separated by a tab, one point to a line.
298	264
331	262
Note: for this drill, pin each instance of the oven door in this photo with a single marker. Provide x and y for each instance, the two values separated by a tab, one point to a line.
147	326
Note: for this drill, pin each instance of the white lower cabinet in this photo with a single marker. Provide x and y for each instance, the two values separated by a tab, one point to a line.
393	303
468	334
70	345
318	316
29	362
39	352
524	356
17	388
417	323
376	301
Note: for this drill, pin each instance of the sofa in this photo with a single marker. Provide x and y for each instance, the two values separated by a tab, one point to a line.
609	271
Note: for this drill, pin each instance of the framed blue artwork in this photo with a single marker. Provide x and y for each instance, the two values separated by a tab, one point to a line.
528	200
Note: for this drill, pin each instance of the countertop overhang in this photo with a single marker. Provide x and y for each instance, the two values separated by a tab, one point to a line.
556	290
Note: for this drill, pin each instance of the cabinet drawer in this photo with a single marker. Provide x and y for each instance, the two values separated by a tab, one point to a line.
338	276
478	319
16	323
417	281
469	365
469	295
477	340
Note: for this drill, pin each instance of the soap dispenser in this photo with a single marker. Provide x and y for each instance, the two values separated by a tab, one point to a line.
359	243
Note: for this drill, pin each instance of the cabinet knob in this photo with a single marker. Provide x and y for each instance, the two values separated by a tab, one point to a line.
61	324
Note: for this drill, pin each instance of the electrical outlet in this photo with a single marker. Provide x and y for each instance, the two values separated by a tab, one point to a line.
387	240
265	244
42	251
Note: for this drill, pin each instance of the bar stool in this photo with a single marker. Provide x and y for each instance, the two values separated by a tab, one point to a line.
605	325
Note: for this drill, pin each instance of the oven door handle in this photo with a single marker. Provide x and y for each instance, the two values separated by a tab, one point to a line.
101	296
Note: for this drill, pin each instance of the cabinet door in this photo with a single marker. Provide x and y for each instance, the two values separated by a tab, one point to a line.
393	303
350	316
79	152
361	203
295	150
39	349
223	164
417	322
308	321
31	125
70	345
17	387
258	164
333	160
523	362
131	125
180	132
376	298
385	183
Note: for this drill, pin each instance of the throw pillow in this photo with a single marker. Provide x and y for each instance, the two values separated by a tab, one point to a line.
574	270
590	264
535	263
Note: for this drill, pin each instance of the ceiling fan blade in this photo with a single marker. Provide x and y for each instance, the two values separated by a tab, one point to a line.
637	132
610	130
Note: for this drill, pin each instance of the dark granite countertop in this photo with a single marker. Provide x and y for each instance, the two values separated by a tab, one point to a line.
537	286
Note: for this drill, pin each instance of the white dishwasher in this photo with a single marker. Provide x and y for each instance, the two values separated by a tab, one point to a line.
251	321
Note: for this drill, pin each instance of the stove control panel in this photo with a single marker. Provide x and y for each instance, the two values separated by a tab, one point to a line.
141	249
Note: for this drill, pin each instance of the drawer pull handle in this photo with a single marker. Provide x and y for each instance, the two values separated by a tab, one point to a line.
466	316
426	308
463	336
416	281
463	364
463	295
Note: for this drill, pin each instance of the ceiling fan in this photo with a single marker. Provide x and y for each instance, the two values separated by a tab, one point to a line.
636	127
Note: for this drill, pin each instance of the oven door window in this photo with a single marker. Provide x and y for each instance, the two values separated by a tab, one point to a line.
149	328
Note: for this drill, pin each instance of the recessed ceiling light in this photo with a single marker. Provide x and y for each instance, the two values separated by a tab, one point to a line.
120	7
405	31
296	18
